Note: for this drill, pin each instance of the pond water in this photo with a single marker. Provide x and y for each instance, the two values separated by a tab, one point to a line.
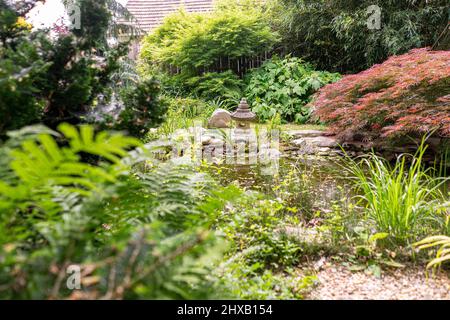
313	182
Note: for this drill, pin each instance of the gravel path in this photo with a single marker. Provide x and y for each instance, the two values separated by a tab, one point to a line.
338	283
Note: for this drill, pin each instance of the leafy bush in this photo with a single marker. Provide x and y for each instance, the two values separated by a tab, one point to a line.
334	34
285	86
20	65
143	108
130	235
406	95
194	52
187	107
224	88
404	200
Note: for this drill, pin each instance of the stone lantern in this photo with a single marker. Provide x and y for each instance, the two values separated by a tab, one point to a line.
243	115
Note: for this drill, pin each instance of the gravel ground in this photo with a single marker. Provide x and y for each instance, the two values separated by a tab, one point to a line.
338	283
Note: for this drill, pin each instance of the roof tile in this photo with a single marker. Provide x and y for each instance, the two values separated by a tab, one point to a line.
151	13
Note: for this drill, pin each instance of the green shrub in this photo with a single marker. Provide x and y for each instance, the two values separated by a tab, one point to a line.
195	44
187	107
143	108
20	66
194	41
210	86
222	88
182	113
55	79
285	87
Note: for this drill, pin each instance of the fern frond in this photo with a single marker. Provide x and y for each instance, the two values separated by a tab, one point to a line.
40	164
112	147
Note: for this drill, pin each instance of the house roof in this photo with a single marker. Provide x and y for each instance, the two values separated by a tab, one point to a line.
150	13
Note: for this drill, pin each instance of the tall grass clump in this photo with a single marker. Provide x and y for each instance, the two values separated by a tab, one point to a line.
404	199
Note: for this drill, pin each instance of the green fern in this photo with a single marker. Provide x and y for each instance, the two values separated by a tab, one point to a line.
40	164
134	234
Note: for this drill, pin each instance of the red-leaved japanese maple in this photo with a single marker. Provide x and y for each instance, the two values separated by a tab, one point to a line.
405	95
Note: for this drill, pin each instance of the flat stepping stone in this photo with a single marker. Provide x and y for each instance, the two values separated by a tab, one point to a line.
319	142
305	133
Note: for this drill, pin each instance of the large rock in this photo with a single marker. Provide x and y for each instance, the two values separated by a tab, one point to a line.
220	119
